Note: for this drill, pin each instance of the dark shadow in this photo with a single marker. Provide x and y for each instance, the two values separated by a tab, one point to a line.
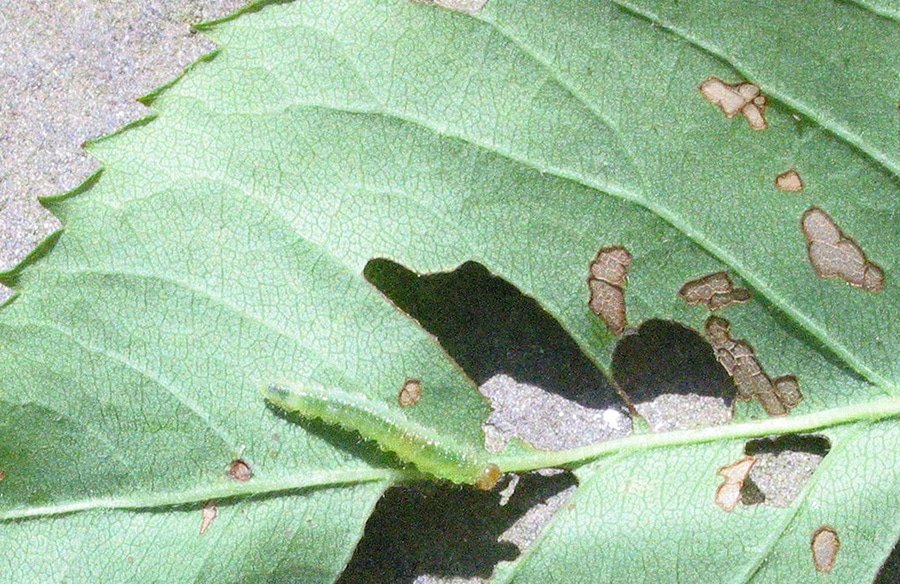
809	443
666	357
751	494
815	444
442	530
488	326
890	570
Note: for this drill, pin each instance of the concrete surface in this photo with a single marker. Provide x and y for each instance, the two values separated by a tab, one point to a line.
70	70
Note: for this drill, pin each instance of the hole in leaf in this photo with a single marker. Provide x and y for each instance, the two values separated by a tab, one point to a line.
545	420
671	375
488	326
783	465
809	443
446	532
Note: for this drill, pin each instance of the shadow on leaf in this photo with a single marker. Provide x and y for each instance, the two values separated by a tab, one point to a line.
444	531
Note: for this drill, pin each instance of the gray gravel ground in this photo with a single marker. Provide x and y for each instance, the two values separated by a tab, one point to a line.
70	70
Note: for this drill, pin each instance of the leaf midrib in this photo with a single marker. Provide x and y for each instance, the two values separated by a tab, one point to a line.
224	490
874	410
870	411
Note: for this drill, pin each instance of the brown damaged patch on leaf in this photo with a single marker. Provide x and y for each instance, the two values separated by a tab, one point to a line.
728	495
825	546
240	470
715	291
209	513
410	393
739	360
834	255
607	280
739	98
787	390
489	477
2	475
789	181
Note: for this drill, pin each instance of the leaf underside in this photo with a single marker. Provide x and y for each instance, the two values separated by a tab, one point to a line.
222	248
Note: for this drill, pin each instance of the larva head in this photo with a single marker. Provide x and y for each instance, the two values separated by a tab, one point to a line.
489	477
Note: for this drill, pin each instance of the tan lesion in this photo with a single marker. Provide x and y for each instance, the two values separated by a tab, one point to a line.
825	545
607	280
715	291
208	513
789	181
738	358
728	495
410	393
834	255
738	98
240	470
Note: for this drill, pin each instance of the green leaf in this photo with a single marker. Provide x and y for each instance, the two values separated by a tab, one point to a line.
222	249
649	516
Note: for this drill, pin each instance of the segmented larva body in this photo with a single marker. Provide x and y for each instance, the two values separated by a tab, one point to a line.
390	427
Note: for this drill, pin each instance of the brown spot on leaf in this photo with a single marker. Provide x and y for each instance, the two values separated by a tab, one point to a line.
489	477
2	475
209	513
739	360
825	546
607	280
728	495
715	291
240	470
787	390
410	393
739	98
789	182
834	255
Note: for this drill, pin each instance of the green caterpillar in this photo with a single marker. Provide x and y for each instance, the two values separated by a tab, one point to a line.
390	428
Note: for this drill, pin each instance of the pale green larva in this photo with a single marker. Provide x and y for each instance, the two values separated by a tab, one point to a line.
390	427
